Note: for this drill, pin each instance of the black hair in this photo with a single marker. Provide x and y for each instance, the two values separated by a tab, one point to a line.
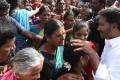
13	4
78	25
43	9
69	13
76	11
58	1
71	56
102	1
4	6
7	31
50	27
112	15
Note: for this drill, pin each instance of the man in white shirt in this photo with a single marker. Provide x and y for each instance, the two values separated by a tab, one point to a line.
108	67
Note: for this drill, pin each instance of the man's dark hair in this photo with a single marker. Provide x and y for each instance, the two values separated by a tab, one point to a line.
112	15
7	31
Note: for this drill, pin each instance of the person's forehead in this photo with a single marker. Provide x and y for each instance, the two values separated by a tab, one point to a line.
62	1
102	19
60	30
70	17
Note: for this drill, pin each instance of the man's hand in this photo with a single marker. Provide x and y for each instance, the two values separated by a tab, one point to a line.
84	46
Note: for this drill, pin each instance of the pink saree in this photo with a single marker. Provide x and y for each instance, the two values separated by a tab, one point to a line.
8	75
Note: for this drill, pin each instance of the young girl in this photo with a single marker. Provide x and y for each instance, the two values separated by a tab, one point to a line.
81	31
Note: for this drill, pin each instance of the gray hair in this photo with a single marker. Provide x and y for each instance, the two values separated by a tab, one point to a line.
26	59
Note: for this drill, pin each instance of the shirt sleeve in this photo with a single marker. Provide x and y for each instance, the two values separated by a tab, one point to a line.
102	72
19	27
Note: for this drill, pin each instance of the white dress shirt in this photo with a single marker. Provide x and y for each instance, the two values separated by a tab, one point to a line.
109	67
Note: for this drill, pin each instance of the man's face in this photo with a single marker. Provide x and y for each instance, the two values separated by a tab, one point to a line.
7	47
95	5
105	28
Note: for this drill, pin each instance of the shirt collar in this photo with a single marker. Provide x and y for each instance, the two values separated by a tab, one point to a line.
113	42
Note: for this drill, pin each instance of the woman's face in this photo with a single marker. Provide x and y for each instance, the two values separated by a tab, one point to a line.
58	37
34	74
69	22
45	16
81	34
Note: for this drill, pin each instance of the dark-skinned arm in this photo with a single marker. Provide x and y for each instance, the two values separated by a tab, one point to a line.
25	33
84	46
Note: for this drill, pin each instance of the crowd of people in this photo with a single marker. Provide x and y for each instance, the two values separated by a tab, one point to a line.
59	39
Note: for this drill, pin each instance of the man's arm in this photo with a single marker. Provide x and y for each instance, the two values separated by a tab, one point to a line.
84	46
23	32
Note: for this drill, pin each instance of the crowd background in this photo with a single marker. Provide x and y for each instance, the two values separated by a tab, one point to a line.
48	26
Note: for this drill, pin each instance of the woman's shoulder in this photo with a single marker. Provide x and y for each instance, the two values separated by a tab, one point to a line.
9	75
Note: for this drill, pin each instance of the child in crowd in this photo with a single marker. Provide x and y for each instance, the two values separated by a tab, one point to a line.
81	31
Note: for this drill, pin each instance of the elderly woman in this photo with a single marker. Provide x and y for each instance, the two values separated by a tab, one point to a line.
27	65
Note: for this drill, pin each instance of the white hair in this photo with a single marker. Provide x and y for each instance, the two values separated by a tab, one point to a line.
26	59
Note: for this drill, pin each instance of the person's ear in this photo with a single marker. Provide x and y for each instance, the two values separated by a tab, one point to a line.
82	60
114	26
47	38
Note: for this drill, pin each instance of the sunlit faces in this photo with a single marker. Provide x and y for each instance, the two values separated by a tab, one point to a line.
58	37
33	74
